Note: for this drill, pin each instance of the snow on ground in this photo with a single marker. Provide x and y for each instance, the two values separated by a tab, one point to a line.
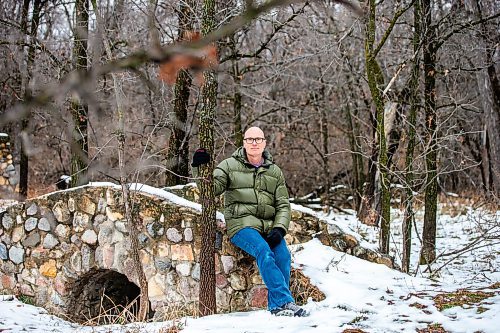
477	267
359	294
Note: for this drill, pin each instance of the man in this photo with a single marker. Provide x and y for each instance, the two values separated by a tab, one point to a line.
257	214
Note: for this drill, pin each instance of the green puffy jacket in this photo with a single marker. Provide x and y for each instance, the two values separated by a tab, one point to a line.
253	197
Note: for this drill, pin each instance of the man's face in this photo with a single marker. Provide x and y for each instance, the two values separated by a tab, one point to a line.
254	142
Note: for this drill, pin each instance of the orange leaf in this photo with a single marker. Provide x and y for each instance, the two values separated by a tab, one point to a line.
206	59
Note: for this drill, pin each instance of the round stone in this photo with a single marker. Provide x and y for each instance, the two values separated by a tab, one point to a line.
3	251
106	233
32	240
98	219
155	229
227	263
16	255
61	212
62	231
30	223
44	224
143	239
89	237
183	268
121	227
174	235
76	240
188	234
81	222
7	222
17	234
162	265
49	242
32	209
13	180
195	274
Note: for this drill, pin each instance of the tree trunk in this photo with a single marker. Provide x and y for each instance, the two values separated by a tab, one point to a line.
26	86
428	252
393	128
79	109
235	73
368	211
375	81
132	225
24	161
357	160
207	301
324	142
489	89
178	153
238	127
412	122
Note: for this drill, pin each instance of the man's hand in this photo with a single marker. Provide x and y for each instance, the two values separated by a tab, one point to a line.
200	157
274	237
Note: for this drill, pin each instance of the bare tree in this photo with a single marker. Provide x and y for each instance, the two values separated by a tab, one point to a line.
376	82
132	224
26	86
178	152
79	108
207	302
489	90
414	95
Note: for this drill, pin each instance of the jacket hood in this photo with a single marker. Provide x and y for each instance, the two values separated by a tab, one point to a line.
241	155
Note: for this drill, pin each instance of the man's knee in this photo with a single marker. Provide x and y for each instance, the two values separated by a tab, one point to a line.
265	254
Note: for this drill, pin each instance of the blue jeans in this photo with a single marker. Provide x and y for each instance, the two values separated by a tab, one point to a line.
274	265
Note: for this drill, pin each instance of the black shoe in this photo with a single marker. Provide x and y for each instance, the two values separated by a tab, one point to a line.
290	310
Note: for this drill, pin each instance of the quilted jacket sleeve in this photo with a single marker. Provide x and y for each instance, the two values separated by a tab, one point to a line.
221	178
282	204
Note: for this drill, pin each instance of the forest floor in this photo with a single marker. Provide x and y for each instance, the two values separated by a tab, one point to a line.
460	292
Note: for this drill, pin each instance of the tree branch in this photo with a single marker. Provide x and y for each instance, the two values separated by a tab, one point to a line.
463	27
384	38
75	80
264	44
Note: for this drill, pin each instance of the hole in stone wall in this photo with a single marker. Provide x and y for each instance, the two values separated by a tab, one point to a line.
104	297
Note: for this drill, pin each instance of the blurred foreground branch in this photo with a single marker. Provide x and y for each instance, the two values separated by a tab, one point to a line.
156	54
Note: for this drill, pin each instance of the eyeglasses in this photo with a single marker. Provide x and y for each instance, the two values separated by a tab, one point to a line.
252	140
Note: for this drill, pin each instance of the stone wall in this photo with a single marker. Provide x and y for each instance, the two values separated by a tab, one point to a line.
305	226
9	178
52	246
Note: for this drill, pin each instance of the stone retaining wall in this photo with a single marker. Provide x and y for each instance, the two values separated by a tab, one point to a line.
51	246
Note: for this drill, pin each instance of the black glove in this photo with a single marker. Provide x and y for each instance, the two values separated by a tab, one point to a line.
200	157
274	237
